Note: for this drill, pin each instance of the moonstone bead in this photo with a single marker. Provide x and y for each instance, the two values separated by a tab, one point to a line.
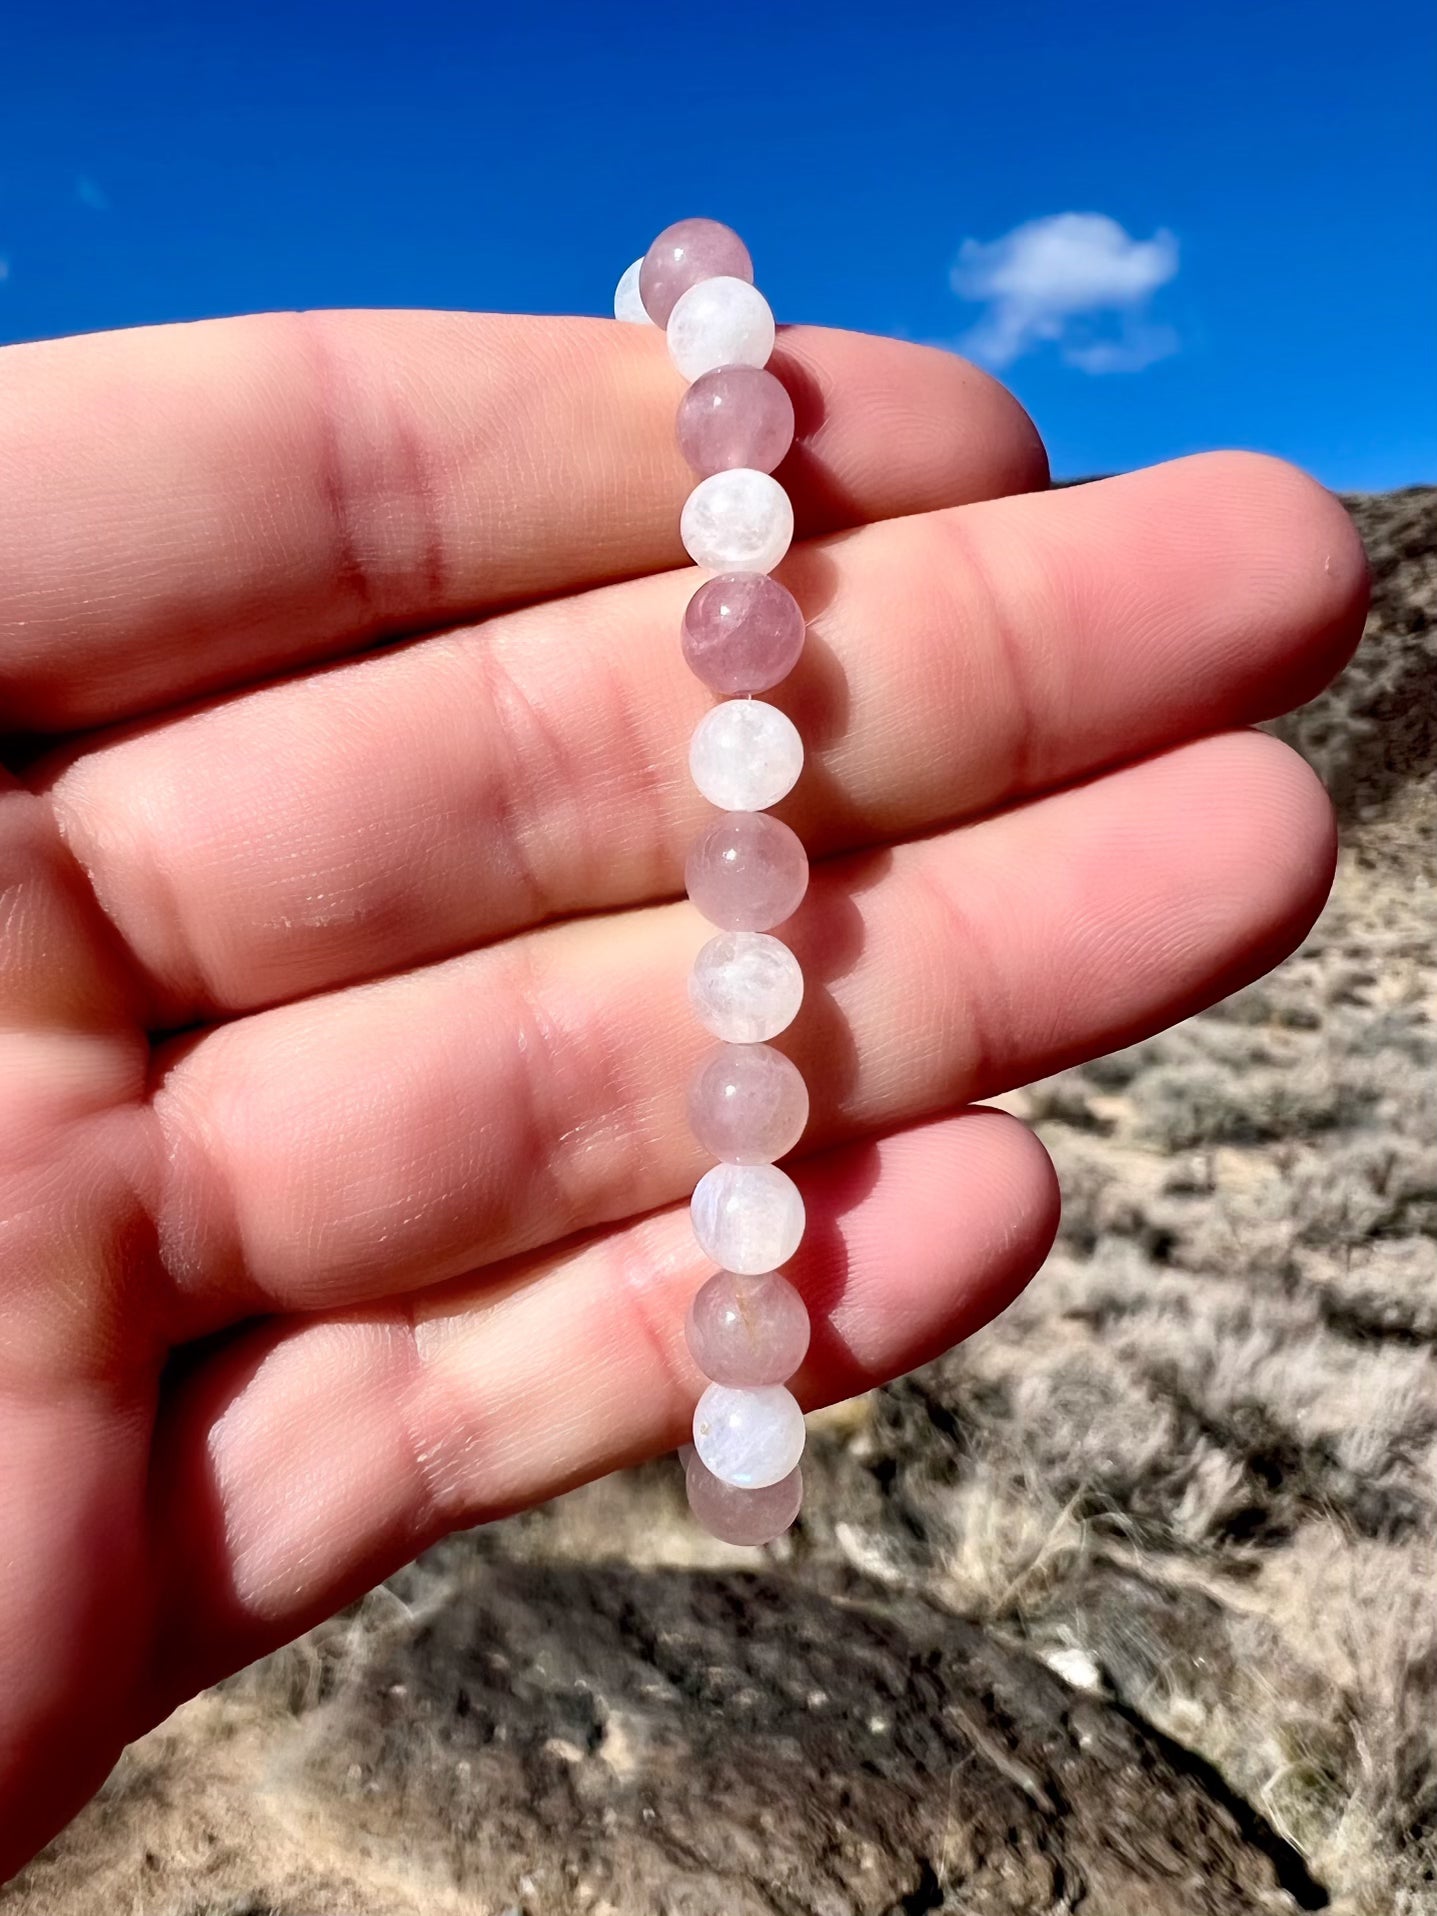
742	1516
720	322
735	416
747	1330
739	521
748	1437
746	872
743	632
745	755
682	255
748	1104
745	986
747	1217
627	303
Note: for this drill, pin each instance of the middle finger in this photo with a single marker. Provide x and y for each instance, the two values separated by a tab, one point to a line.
459	788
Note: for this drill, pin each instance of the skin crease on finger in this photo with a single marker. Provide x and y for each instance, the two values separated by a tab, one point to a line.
183	520
451	791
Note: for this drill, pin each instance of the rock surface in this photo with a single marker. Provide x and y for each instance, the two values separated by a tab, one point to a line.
1125	1606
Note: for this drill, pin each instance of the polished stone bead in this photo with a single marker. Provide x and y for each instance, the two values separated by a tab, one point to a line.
745	986
748	1104
748	1437
739	521
747	872
682	255
735	416
742	632
742	1516
721	322
747	1330
747	1217
745	755
627	303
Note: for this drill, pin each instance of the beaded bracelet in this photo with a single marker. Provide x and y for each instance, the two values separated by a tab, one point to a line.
747	1328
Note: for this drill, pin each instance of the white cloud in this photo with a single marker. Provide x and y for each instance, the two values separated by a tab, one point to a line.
1077	281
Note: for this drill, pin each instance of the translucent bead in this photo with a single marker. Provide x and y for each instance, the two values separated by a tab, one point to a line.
742	1516
745	986
748	1104
745	755
682	255
627	304
749	1438
735	416
746	872
742	632
739	521
747	1217
720	322
747	1330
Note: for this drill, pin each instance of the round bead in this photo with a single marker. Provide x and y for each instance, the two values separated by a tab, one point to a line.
747	1217
748	1104
720	322
743	632
747	1330
627	303
745	755
742	1516
746	872
682	255
734	416
745	986
748	1438
739	521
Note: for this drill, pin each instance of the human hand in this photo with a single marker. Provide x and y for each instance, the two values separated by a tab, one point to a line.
343	1032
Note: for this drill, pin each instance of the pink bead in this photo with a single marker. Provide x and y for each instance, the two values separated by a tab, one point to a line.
735	416
746	872
743	632
682	255
748	1104
743	1516
747	1330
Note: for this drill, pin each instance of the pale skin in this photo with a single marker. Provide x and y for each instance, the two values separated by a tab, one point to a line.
343	1033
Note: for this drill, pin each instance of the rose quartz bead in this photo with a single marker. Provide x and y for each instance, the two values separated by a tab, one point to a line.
743	632
682	255
747	1330
747	872
742	1516
748	1104
735	416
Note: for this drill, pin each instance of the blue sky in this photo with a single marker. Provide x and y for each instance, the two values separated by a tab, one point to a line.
1264	271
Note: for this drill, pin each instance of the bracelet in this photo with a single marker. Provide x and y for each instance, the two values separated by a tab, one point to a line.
747	1328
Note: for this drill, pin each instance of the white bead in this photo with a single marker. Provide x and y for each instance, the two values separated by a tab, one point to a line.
627	304
720	322
747	1217
750	1436
746	987
745	755
737	521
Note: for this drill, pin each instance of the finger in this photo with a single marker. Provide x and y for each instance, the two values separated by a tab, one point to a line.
411	804
312	1458
186	507
397	1134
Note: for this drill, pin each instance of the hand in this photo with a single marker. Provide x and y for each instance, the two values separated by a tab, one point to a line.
343	1032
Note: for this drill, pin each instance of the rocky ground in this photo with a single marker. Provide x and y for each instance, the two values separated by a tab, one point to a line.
1126	1606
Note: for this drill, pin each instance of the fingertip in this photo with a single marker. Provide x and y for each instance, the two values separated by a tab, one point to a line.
1308	555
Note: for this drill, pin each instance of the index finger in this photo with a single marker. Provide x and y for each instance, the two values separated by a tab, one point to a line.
187	507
